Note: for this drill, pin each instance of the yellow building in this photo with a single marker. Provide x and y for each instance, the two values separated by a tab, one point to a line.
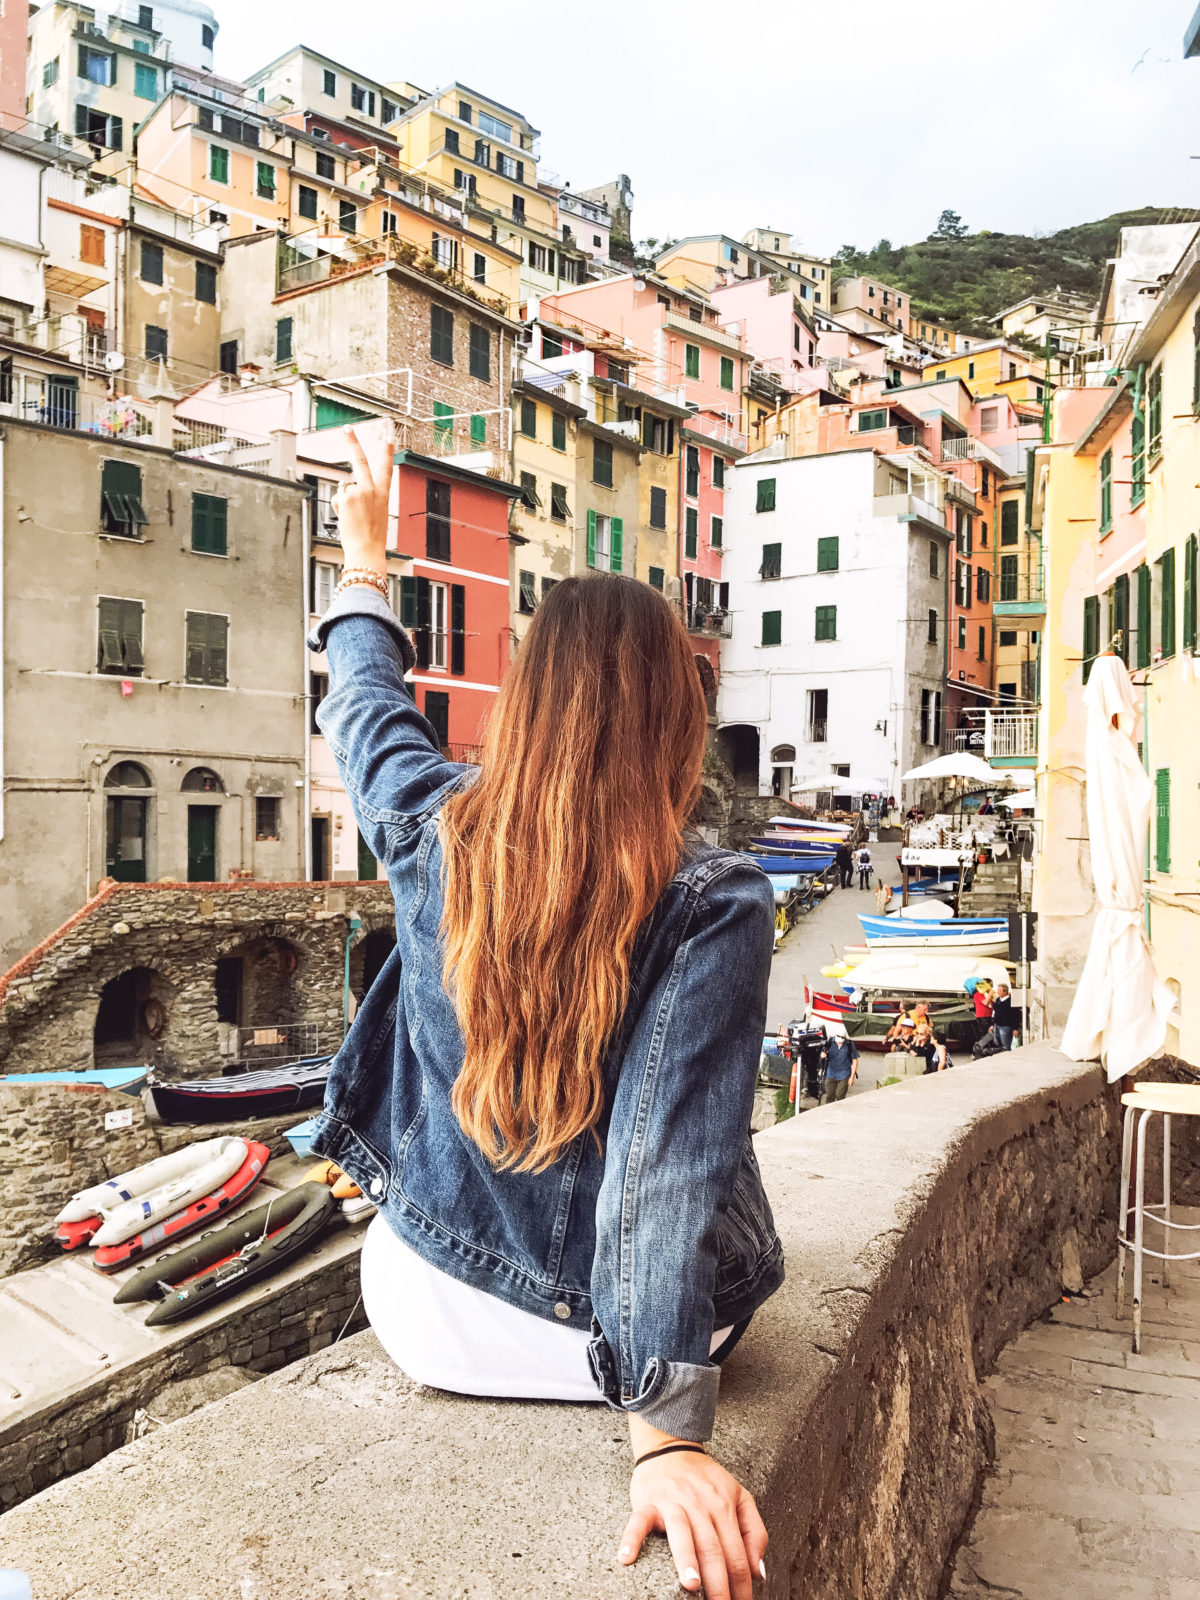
1018	598
461	140
781	248
546	418
993	367
656	423
701	261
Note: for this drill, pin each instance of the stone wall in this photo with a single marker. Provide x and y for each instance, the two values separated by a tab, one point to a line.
924	1225
77	1432
290	937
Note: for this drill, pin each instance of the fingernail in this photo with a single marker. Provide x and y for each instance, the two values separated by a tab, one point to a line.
762	1570
690	1575
623	1552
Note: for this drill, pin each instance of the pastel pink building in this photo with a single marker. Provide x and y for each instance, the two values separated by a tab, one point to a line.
676	341
775	324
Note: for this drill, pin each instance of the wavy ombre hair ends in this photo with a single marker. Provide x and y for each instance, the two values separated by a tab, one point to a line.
559	851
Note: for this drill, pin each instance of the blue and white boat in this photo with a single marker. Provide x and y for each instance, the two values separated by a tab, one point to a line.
790	864
779	844
981	936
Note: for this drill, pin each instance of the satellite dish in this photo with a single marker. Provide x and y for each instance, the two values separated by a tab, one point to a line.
639	284
113	361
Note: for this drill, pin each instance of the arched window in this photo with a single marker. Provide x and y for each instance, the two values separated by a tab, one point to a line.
783	754
128	775
202	780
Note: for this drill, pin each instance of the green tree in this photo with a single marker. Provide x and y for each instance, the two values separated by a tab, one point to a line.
950	226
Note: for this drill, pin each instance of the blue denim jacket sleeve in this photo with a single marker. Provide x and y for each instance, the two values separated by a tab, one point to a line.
387	753
679	1121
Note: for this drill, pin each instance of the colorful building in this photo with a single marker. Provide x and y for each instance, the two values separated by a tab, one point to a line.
702	261
868	305
305	80
782	249
993	366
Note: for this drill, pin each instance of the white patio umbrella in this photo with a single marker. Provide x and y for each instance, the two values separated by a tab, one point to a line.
1024	801
1121	1007
959	764
829	781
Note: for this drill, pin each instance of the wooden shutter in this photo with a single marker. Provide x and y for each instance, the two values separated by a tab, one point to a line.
591	539
216	664
691	535
1162	819
656	578
615	543
209	523
424	613
1120	610
1091	633
131	635
195	646
110	657
478	430
1143	615
1189	593
458	628
772	627
1106	461
827	553
408	603
1009	526
717	533
1167	624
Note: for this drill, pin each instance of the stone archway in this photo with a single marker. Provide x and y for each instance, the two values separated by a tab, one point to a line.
133	1016
737	746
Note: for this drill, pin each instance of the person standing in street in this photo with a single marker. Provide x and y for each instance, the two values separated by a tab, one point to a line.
864	864
845	865
841	1068
1002	1017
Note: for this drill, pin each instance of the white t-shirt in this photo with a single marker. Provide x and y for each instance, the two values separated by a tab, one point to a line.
450	1335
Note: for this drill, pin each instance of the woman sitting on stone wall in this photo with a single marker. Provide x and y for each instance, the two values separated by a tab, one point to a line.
547	1091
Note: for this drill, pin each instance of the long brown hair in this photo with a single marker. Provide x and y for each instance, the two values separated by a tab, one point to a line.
558	852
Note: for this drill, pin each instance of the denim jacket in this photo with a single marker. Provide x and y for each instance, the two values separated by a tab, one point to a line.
651	1239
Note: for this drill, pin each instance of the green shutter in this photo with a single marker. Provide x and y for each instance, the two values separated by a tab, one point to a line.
1091	633
216	667
591	539
209	524
826	622
1166	565
195	646
408	603
1189	593
283	339
1120	615
717	535
558	431
765	495
772	627
656	578
478	430
615	543
109	657
727	372
529	418
691	360
443	422
1106	492
1143	615
1137	441
1010	528
1154	398
333	414
218	163
691	533
1162	819
827	553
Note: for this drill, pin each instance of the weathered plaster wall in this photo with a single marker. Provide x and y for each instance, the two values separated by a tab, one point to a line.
924	1225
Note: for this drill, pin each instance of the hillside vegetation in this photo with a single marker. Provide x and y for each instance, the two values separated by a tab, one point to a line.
966	278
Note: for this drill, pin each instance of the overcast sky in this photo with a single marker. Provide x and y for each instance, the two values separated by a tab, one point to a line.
841	122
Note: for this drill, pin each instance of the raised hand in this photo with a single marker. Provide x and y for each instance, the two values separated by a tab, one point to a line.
362	505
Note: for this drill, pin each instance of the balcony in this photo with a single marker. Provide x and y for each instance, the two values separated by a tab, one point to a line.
963	739
719	430
714	624
968	448
708	331
909	506
1019	593
1011	738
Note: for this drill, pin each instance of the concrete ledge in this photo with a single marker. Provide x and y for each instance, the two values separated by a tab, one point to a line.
924	1226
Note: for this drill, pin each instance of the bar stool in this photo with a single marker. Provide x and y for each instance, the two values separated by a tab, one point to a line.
1147	1100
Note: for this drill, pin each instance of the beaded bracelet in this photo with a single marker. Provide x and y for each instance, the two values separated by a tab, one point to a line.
362	575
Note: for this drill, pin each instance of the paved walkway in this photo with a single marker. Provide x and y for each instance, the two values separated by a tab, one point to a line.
1095	1494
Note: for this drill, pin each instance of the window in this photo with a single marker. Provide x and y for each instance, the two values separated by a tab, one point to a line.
727	372
264	180
207	35
266	816
691	481
772	561
527	594
772	627
826	622
437	714
558	430
206	648
96	66
156	343
970	369
324	581
1006	638
151	267
480	361
1154	409
329	83
528	425
605	541
91	245
602	463
827	553
1091	633
982	652
209	524
326	165
494	126
1010	578
218	163
872	421
431	599
933	558
983	585
691	533
1137	453
1144	606
1166	624
483	153
986	483
478	428
479	268
933	627
283	339
206	282
560	511
306	202
119	638
1106	462
718	472
362	99
347	216
50	73
931	716
547	585
388	109
764	499
441	335
961	631
964	531
1162	820
691	360
1189	593
655	578
716	533
1010	525
507	165
464	111
145	81
658	508
451	144
437	520
1118	616
529	494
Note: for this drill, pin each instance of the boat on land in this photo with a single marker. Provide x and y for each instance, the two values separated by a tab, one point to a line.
812	824
790	864
223	1261
819	843
270	1091
126	1080
111	1258
984	936
870	1022
924	972
146	1193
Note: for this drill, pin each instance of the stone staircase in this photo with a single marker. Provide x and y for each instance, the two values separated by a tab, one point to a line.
998	888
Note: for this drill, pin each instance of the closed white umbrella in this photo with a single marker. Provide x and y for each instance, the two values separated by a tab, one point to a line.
1121	1007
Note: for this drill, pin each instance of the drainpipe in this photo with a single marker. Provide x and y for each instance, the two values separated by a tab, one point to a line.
3	492
355	927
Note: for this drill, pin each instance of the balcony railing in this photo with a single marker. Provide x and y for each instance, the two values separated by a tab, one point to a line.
718	430
968	448
1010	734
453	436
964	739
716	624
817	731
907	505
1015	587
34	396
707	331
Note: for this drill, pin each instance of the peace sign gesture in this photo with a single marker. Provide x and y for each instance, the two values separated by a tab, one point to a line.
362	505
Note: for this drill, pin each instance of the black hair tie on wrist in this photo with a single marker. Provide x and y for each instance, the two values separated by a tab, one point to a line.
666	1450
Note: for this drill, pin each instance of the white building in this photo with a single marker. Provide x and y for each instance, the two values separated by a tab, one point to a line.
838	573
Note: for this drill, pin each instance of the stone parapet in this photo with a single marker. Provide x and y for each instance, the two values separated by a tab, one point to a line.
924	1226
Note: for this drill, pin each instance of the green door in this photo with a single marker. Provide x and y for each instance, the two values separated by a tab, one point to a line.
202	844
368	867
125	838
